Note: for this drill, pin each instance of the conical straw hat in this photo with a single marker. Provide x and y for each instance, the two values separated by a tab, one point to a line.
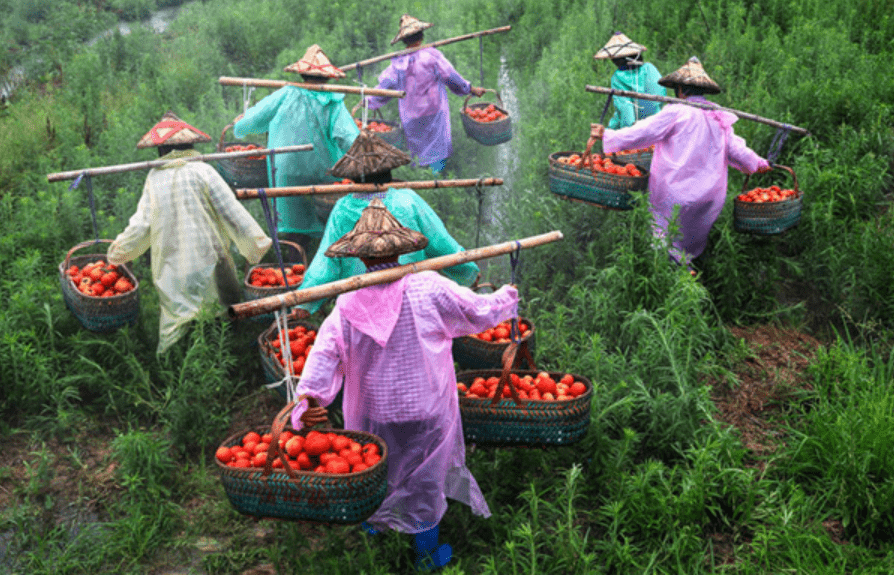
315	63
691	74
619	46
377	234
368	155
171	130
408	27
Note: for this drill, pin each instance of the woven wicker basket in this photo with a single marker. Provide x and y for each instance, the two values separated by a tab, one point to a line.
102	315
487	133
273	370
242	172
768	218
472	353
251	292
533	423
395	137
605	190
304	495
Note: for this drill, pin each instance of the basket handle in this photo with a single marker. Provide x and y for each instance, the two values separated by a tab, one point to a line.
279	423
512	358
497	92
377	113
777	167
80	246
297	247
220	143
478	287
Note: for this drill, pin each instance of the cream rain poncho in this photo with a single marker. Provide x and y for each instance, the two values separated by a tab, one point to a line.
189	217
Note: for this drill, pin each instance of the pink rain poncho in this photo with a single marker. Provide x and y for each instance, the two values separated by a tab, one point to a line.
693	148
424	111
392	343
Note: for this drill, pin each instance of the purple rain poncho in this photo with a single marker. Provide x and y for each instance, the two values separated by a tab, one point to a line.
693	148
393	345
424	111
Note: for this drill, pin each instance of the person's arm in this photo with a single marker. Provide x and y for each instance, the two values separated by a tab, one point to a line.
256	119
137	237
241	227
451	78
321	377
387	81
743	158
640	135
464	312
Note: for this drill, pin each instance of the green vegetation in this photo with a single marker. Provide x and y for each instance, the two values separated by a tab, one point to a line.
658	485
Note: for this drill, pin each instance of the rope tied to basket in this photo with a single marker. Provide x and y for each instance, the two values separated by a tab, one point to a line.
608	101
271	227
246	96
513	264
289	380
90	198
479	191
778	141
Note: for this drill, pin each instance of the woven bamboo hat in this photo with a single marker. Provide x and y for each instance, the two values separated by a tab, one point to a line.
409	26
315	63
377	234
368	155
171	130
619	46
691	74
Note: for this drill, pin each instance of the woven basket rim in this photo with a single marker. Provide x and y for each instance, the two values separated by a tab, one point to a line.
473	373
301	473
495	344
70	283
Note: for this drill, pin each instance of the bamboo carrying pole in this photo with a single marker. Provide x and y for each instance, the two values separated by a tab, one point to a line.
669	100
55	177
252	193
429	45
260	83
299	296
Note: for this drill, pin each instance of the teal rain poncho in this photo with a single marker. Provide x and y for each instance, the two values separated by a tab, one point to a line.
292	116
412	212
643	79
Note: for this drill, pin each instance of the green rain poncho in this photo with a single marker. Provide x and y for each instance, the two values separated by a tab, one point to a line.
412	212
292	116
643	79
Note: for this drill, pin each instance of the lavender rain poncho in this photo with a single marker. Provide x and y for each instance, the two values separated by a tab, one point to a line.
392	343
424	111
693	148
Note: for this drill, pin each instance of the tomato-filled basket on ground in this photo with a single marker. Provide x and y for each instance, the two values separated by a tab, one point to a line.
485	122
319	475
267	279
102	296
302	335
596	179
244	172
485	350
768	211
554	409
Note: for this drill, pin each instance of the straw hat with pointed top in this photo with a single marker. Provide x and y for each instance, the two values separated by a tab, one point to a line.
409	26
170	131
691	74
368	155
619	46
377	234
315	63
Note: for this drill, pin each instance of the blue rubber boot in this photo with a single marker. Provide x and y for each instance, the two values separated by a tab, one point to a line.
430	556
369	529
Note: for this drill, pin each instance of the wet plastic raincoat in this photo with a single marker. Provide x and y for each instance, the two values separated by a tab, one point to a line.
411	211
424	111
189	217
292	116
392	344
693	149
642	79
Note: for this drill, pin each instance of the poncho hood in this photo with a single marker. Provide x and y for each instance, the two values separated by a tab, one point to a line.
374	310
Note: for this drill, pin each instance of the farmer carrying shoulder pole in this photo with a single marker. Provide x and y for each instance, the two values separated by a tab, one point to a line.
371	160
293	115
424	112
633	74
693	148
403	331
189	217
